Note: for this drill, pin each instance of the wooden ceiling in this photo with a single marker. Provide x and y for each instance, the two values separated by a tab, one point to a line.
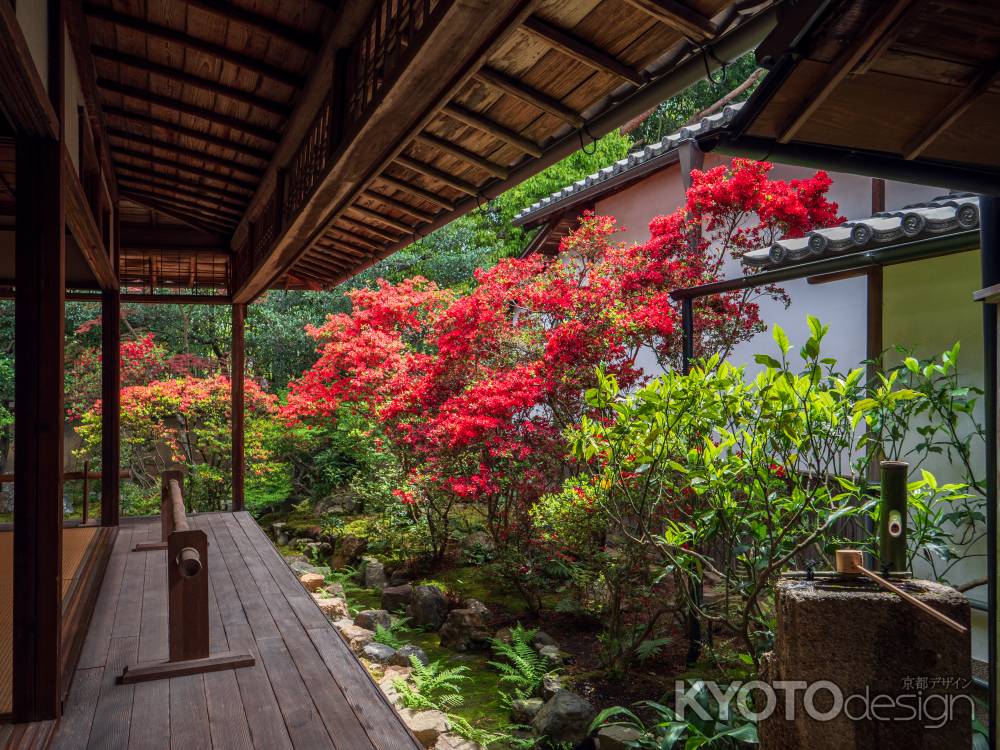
202	101
914	81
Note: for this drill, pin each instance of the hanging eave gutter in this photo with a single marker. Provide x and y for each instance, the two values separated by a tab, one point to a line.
931	247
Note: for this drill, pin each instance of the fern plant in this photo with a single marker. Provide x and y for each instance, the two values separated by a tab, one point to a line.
521	667
432	686
392	635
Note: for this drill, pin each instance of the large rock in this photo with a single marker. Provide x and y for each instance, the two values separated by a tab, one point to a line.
428	607
542	639
355	637
372	574
396	598
378	653
402	656
426	726
551	684
335	589
524	710
617	737
333	607
300	565
369	618
388	683
467	627
454	742
565	717
348	551
312	581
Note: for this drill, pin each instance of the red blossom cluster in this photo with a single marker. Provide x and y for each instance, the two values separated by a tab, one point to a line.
472	392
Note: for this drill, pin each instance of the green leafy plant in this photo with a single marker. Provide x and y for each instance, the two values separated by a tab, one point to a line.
392	635
723	729
521	667
432	686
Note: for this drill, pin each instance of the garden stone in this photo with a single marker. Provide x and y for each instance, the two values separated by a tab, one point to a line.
388	683
333	607
355	637
378	653
299	543
565	717
541	638
402	656
399	577
318	550
371	574
426	726
502	635
428	607
341	503
454	742
552	654
280	536
335	589
551	684
617	737
396	598
523	710
302	565
349	549
369	618
467	627
312	581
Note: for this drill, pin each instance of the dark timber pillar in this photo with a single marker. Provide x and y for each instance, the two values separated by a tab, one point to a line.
110	405
989	222
238	374
38	429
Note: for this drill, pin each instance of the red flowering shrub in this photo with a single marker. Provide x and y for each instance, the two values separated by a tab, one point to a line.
471	393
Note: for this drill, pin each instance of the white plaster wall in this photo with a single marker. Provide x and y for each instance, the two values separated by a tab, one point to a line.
33	18
74	100
928	307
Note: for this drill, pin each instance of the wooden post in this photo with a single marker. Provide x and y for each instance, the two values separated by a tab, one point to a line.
110	404
85	508
238	374
39	328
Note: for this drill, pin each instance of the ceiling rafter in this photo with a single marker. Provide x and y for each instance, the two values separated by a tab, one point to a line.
581	50
180	166
485	124
470	157
402	226
219	213
368	242
108	15
139	117
416	213
679	17
428	170
416	190
173	74
192	153
529	95
377	231
136	172
202	225
215	196
271	26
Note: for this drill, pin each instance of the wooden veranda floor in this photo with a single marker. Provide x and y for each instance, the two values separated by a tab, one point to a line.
307	690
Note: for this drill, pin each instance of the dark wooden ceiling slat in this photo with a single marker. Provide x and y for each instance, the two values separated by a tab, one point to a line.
219	196
180	166
166	71
441	144
188	109
295	36
389	221
416	213
126	114
434	173
581	50
525	93
191	153
416	190
679	16
124	168
496	129
148	28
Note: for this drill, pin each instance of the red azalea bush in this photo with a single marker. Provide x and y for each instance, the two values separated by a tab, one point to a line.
472	393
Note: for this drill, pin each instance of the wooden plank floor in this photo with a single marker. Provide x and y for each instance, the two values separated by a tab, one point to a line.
307	690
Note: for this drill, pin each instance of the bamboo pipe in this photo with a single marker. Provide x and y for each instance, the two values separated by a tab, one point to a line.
177	506
849	561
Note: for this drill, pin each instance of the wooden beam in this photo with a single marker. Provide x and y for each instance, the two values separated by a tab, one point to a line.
165	71
881	20
125	21
126	114
679	17
198	222
39	326
191	153
402	226
269	26
406	208
947	115
339	245
237	380
492	168
889	37
22	90
110	404
367	242
233	214
529	95
377	231
436	174
265	134
181	238
159	161
480	122
581	50
204	193
416	190
82	225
